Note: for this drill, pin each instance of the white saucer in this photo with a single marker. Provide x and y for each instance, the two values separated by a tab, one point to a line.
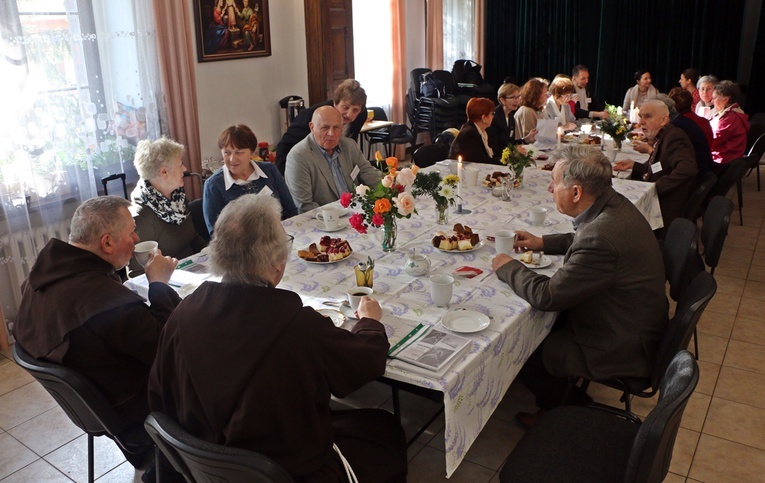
563	227
465	321
335	315
340	226
547	222
545	262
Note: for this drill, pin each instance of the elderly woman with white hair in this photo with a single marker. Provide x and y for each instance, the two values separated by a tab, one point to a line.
258	339
159	200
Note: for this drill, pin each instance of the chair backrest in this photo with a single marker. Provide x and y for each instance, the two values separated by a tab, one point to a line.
201	461
715	228
696	200
681	255
448	79
379	113
198	218
755	139
732	172
415	80
652	450
80	399
689	309
430	153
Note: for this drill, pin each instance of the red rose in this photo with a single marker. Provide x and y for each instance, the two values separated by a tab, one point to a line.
377	220
357	222
399	188
345	199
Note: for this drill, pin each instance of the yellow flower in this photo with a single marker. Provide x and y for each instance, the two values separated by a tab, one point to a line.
451	179
378	156
415	168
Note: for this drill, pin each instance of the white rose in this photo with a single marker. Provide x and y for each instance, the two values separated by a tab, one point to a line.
406	177
361	190
388	181
405	203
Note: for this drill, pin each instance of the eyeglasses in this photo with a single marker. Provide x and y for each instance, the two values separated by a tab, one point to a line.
290	239
517	96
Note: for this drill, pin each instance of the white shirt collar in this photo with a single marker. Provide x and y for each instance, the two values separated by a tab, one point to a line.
229	180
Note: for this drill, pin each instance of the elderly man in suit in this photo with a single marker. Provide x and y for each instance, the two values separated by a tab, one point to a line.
671	165
326	164
609	291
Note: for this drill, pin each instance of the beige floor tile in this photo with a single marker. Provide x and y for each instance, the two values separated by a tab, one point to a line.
735	256
724	304
749	329
605	395
673	478
735	270
495	442
40	472
729	285
716	324
718	460
46	432
413	449
682	454
13	455
711	348
752	309
121	474
749	230
756	273
745	355
741	386
12	377
696	412
754	290
736	422
23	404
428	467
708	374
743	243
72	458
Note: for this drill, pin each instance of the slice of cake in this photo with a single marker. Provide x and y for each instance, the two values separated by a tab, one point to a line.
527	257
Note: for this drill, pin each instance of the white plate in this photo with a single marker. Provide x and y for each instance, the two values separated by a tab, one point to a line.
346	211
465	321
480	244
347	311
563	227
547	222
329	262
340	226
335	315
546	262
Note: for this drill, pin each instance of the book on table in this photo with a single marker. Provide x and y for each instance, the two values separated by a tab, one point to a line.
426	347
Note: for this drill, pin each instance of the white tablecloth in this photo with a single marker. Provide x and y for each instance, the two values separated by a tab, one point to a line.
474	385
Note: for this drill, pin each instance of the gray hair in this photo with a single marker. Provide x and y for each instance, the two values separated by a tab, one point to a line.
707	79
96	217
586	166
249	239
150	156
729	89
667	102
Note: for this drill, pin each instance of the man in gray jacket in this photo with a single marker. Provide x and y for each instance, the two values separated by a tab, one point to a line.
609	292
325	164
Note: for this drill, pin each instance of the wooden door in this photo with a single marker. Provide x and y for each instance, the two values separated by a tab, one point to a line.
329	42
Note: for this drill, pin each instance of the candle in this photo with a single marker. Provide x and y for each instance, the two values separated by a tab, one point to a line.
619	111
560	134
459	175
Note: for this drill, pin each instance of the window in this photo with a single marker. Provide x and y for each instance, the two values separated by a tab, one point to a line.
373	51
459	31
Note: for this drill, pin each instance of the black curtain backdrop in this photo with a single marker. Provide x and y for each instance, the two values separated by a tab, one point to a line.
613	38
755	97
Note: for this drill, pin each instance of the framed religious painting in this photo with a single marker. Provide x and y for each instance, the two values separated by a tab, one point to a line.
232	29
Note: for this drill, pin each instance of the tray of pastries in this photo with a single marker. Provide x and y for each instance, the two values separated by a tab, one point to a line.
328	250
462	240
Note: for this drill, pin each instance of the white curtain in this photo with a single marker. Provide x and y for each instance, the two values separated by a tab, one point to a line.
79	88
459	31
373	51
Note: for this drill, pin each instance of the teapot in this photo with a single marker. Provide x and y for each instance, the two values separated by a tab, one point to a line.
417	264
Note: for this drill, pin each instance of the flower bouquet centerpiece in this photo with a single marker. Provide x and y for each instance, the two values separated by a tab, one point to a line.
517	159
615	125
383	204
443	191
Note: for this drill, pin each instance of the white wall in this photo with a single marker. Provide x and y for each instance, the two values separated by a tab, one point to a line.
247	91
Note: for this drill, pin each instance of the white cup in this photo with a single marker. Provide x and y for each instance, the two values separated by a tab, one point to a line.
143	251
471	176
537	215
356	293
503	242
441	289
330	215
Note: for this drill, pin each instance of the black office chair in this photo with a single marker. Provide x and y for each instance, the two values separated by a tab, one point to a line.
714	230
731	176
598	444
202	462
198	218
695	203
388	136
757	150
430	153
689	309
84	404
113	177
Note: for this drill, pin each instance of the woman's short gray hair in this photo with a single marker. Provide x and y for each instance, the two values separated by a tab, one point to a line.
706	79
586	166
249	239
728	89
150	156
96	217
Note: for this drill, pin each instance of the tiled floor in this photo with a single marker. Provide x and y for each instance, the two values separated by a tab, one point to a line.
722	437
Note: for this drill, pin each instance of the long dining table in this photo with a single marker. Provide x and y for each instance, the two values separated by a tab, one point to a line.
475	384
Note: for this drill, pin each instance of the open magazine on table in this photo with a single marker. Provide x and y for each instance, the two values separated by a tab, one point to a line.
429	350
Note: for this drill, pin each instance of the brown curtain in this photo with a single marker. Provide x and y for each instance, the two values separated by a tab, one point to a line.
434	39
400	75
480	29
176	66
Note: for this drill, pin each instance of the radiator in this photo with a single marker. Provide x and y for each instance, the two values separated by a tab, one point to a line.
18	252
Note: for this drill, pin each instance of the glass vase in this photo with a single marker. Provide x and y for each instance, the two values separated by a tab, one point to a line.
442	213
389	235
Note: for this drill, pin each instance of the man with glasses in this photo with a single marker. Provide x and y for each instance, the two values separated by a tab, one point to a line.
76	312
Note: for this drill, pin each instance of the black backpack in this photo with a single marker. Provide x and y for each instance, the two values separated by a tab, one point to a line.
431	87
467	72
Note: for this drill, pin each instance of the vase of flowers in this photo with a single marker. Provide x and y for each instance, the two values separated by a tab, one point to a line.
615	125
442	190
383	204
517	159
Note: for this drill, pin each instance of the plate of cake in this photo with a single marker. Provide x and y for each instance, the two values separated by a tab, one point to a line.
530	260
494	179
328	250
462	240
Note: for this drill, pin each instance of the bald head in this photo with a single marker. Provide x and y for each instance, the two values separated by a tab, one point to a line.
654	115
326	127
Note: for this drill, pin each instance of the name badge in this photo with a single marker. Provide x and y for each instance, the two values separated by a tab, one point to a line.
266	190
656	167
589	100
355	172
